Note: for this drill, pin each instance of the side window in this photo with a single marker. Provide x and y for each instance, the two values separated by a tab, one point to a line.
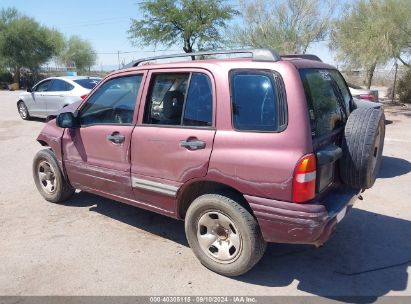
42	87
166	101
198	110
69	86
180	99
113	103
254	101
59	86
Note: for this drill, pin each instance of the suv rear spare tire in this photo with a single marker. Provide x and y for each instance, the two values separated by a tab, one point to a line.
362	146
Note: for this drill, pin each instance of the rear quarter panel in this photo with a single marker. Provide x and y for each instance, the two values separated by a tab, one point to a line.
260	164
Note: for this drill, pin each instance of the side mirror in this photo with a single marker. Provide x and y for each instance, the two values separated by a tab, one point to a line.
67	120
29	90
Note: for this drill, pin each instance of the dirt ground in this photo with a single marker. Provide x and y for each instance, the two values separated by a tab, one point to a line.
95	246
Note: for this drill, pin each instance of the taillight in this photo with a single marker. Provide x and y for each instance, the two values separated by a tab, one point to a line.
369	97
83	96
304	179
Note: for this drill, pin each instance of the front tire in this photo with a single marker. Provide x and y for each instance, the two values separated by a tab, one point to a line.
23	111
49	179
223	235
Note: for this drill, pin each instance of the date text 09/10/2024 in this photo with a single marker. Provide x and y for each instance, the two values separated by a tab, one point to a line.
203	299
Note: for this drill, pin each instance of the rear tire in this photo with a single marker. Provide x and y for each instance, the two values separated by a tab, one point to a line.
23	111
362	146
223	235
49	179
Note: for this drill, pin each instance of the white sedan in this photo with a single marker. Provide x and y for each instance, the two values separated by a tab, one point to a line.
364	94
50	95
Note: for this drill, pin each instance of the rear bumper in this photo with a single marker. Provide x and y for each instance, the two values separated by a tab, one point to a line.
314	223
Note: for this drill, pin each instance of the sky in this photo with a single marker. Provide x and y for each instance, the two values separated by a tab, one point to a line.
105	25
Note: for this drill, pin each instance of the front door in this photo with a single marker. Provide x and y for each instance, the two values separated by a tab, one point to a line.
96	155
38	105
55	96
173	140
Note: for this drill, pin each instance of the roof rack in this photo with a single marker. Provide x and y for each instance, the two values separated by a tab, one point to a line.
256	54
302	56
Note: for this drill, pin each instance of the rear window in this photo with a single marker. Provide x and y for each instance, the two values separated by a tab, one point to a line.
88	83
328	100
254	101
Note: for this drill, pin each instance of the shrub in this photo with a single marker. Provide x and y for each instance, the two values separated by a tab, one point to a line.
403	89
6	77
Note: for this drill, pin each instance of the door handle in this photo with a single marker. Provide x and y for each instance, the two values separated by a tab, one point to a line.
193	144
116	138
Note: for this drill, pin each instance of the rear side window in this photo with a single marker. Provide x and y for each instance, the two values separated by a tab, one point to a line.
88	83
166	102
198	107
328	101
180	99
254	101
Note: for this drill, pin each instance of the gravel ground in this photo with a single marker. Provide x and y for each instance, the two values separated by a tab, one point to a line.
95	246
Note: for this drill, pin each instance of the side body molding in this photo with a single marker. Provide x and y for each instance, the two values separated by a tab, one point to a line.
154	186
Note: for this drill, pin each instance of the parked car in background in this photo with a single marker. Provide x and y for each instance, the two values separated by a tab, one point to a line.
364	103
360	93
50	95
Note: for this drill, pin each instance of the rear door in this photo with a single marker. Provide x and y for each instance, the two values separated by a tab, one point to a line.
173	140
329	104
97	154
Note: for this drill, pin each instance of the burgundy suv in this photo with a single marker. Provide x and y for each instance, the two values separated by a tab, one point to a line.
247	150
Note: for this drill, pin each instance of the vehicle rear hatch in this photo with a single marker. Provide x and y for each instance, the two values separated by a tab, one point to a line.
329	104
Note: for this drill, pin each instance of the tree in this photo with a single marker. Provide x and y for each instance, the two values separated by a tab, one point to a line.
190	23
371	32
394	19
78	52
7	15
288	26
356	41
25	43
404	87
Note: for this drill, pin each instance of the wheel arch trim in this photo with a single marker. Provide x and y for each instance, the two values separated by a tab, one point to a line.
194	188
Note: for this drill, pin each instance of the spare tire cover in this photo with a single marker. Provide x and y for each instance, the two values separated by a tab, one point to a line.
362	147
